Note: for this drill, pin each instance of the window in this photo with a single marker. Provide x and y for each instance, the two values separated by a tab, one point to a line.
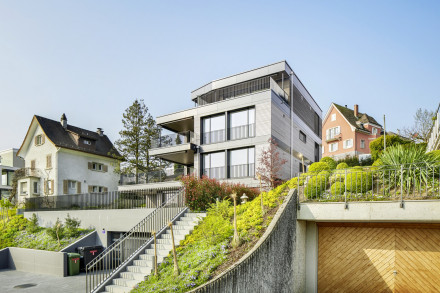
333	132
88	142
348	143
23	188
214	165
49	161
374	130
334	147
213	129
242	163
302	136
39	140
97	188
97	167
36	189
48	187
362	144
71	185
333	117
242	124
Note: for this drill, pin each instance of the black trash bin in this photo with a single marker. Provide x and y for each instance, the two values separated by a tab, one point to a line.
88	253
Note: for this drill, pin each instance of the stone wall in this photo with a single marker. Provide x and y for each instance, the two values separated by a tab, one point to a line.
270	265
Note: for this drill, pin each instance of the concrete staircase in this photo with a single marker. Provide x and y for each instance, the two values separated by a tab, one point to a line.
144	264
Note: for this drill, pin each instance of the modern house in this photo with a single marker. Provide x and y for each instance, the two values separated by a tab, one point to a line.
64	159
434	139
224	135
9	162
348	132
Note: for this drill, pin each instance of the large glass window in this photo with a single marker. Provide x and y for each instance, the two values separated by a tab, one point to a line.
214	165
242	124
214	129
242	163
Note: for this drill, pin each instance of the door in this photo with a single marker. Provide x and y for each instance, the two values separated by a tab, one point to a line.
378	258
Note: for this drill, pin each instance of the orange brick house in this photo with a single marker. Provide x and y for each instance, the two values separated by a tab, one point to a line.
347	132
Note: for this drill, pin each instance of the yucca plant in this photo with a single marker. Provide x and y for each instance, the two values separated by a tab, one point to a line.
409	165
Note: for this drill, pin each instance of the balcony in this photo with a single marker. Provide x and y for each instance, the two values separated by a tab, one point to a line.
434	139
330	138
244	170
242	131
215	172
214	136
176	147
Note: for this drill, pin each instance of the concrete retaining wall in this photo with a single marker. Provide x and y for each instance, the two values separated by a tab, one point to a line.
110	220
270	265
36	261
90	239
4	259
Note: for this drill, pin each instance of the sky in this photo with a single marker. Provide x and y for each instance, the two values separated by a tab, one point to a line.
92	59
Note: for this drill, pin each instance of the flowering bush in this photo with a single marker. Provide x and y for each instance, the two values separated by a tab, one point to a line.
201	192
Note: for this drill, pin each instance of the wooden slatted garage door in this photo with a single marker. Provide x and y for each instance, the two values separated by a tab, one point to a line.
378	257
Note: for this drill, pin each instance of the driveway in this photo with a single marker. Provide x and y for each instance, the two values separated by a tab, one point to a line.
40	283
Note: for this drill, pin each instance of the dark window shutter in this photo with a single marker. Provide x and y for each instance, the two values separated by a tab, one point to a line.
35	140
45	186
65	183
52	187
90	188
105	168
42	138
105	189
78	187
90	165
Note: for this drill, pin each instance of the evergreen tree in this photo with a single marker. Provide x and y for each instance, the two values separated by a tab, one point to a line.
137	137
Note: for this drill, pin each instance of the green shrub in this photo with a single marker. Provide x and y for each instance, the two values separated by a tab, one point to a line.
200	193
71	228
359	181
33	224
324	175
342	165
330	162
435	155
351	161
376	146
318	167
314	188
57	231
337	188
357	168
398	155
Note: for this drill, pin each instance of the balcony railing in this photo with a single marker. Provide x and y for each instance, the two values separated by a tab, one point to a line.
235	90
334	137
216	172
387	183
242	131
214	136
130	199
173	139
161	175
32	172
434	139
245	170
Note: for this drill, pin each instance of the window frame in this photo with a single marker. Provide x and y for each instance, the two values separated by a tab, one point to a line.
331	148
333	117
362	143
345	146
302	134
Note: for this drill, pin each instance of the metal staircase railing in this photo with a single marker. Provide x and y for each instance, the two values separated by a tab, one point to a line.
106	264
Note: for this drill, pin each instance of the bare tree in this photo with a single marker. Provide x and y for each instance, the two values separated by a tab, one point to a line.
420	130
270	164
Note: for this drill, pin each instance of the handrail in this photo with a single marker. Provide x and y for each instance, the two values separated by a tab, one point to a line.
106	264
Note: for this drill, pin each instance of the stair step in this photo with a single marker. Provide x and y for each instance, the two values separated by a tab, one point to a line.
178	232
183	227
189	219
177	237
185	223
148	263
162	252
117	289
139	270
134	276
125	282
165	241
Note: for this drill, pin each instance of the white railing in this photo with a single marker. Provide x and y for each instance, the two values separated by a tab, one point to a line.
391	183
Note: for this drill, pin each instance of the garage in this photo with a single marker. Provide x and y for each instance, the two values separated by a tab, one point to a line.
378	257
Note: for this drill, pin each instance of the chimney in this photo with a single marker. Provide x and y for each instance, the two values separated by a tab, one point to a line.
64	121
100	131
356	110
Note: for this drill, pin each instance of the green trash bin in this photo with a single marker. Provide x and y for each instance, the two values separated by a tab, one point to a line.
73	264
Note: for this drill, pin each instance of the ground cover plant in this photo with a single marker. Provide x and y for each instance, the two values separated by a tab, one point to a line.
207	251
20	232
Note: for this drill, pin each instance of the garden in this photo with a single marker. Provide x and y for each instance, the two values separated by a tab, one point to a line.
18	231
211	248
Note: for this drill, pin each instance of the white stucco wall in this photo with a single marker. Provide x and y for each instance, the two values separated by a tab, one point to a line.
73	165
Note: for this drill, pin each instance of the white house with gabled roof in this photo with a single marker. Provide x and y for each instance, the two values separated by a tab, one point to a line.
64	159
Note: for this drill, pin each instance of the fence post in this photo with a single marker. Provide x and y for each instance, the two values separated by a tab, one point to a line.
345	192
401	186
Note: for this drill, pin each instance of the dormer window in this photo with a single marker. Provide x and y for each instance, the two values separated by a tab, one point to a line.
87	142
374	130
39	139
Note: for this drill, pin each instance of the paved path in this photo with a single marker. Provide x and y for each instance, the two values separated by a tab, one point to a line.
44	283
